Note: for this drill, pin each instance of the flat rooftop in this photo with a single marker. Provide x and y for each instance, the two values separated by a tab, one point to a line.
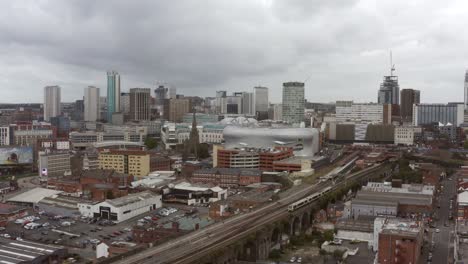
401	198
13	251
33	195
131	198
402	226
362	225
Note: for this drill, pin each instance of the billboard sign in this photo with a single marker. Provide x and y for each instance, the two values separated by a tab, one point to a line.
16	155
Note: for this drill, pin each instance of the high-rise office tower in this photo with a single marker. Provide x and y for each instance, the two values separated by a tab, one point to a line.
293	102
466	90
248	104
51	102
172	92
261	99
78	111
389	92
91	104
113	94
407	99
220	100
140	103
175	109
125	103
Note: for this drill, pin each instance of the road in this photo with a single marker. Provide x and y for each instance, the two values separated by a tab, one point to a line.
443	251
197	244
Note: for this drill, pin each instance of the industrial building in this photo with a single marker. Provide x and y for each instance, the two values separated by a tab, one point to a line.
123	208
375	203
18	252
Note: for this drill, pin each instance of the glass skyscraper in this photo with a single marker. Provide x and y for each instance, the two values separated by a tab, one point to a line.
293	102
113	94
389	92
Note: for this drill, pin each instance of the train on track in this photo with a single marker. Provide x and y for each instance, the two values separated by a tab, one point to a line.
309	199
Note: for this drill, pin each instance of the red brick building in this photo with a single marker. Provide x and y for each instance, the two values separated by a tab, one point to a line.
151	233
400	242
10	212
252	157
160	163
462	206
267	158
224	177
430	174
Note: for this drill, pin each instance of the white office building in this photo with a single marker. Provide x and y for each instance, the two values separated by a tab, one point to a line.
260	99
91	104
123	208
347	111
405	135
248	104
4	136
51	102
277	112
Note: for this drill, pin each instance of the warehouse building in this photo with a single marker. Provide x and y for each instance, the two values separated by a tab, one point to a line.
122	208
16	252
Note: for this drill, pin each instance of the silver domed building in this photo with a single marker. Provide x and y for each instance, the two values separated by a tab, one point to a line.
305	141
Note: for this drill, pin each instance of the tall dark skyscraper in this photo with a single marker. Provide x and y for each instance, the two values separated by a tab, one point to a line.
140	103
408	98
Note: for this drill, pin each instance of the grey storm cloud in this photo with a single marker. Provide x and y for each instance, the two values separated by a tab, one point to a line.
341	47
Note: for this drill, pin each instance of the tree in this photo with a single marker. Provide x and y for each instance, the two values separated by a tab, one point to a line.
109	194
151	143
465	144
338	254
203	151
275	254
328	235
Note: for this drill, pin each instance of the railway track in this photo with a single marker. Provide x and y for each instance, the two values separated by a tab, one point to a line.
214	237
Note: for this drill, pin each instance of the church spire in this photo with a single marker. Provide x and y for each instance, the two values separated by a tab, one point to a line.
194	139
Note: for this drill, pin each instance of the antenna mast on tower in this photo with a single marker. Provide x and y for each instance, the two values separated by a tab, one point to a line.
392	66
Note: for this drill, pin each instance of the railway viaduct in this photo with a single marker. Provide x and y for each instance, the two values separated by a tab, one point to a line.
257	244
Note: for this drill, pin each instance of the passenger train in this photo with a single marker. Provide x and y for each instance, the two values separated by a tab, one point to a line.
309	199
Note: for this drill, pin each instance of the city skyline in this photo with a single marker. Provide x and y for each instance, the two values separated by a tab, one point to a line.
427	56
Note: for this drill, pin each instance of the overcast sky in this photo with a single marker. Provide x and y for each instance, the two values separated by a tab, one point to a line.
341	46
